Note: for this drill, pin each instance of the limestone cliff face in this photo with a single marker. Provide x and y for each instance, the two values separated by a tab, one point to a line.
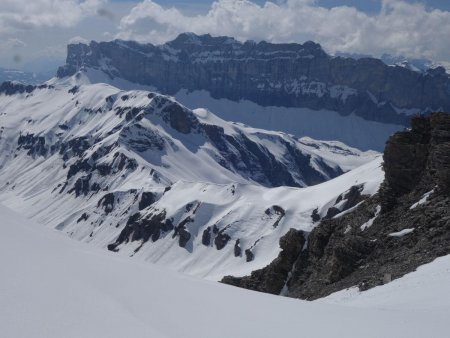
403	226
290	75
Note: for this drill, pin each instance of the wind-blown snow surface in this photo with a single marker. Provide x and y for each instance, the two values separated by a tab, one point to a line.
54	287
81	157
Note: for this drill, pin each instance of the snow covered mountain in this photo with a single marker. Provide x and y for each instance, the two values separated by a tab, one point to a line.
138	173
54	287
296	88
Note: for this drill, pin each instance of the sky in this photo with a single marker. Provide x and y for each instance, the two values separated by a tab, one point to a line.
34	34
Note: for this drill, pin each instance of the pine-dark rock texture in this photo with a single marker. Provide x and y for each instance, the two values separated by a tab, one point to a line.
340	253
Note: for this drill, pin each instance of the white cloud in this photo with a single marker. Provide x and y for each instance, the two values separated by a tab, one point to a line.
399	28
14	43
17	15
78	39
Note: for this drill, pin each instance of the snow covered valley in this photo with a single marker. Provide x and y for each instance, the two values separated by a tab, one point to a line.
51	286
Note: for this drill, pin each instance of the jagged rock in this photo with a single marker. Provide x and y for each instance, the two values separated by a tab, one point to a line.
83	217
179	118
351	197
237	248
278	211
183	234
123	162
206	237
147	199
11	88
221	239
140	228
35	145
184	237
249	255
73	90
107	202
272	278
442	158
315	215
405	157
74	147
81	186
77	167
215	229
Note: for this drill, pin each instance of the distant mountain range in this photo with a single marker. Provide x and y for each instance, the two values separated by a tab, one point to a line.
314	89
23	76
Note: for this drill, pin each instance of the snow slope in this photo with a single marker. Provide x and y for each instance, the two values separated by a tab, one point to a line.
426	289
54	287
138	173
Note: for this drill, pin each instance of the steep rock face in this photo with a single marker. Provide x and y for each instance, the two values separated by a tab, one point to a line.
288	75
272	278
390	234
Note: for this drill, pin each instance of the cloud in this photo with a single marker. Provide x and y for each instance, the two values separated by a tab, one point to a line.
18	15
400	27
78	39
106	13
13	43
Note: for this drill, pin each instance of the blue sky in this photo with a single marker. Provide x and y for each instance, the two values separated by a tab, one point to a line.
33	36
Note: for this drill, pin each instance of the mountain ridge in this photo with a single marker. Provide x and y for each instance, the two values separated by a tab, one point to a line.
290	75
138	173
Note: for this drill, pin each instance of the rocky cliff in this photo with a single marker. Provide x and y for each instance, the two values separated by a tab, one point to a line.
405	225
288	75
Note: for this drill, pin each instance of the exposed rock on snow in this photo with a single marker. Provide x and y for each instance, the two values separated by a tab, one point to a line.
341	254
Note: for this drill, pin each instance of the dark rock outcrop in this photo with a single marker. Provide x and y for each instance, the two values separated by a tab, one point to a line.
181	231
237	248
107	203
206	237
140	228
349	199
11	88
221	239
342	253
35	145
272	278
147	199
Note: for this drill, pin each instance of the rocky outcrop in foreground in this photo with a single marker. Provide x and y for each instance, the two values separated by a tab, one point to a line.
405	225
